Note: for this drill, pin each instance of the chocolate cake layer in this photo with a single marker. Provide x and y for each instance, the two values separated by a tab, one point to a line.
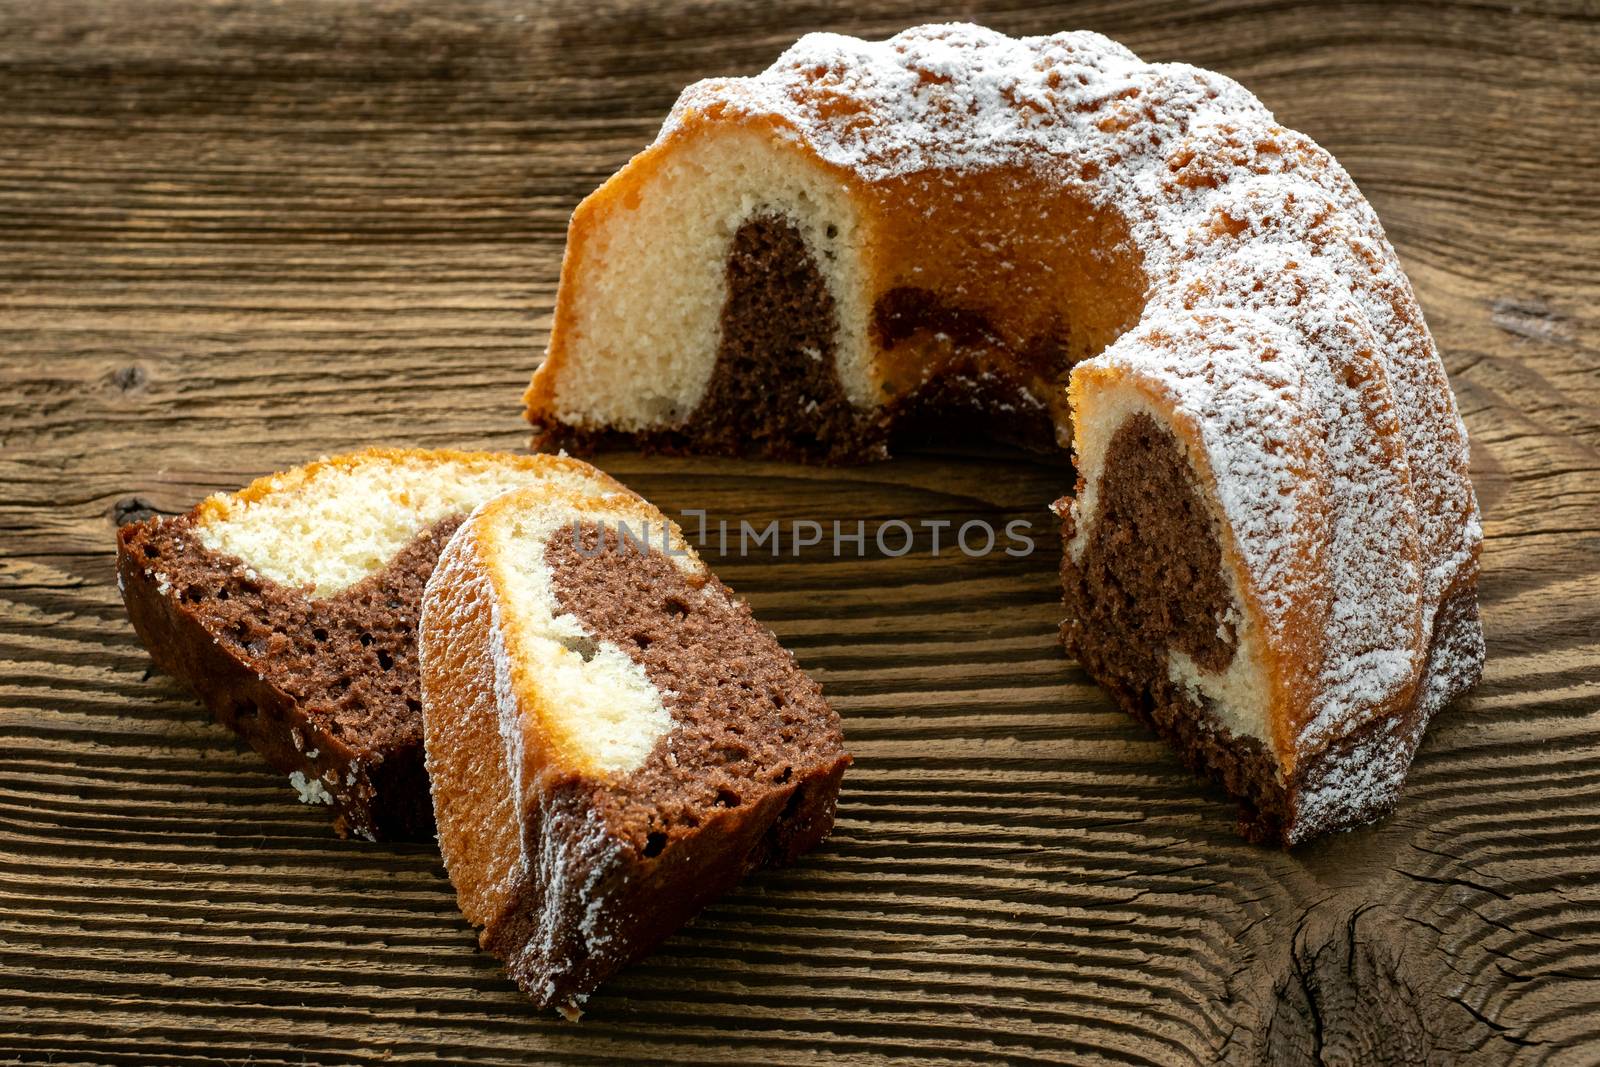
1269	809
965	404
774	391
1150	580
326	687
746	717
965	394
748	776
1153	567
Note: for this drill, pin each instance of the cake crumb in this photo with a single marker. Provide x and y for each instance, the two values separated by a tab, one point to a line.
311	790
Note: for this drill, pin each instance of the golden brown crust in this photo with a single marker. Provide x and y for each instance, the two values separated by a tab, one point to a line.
1019	209
1055	292
478	824
229	655
571	865
325	687
217	507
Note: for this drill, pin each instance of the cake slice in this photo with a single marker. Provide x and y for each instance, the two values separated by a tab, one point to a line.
613	740
290	608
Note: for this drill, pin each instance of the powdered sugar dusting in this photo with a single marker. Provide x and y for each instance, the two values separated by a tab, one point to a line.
557	864
576	855
1221	374
1276	312
1363	782
961	97
1374	628
311	790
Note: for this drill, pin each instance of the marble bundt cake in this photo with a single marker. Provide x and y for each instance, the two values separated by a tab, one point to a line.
1272	552
290	608
613	740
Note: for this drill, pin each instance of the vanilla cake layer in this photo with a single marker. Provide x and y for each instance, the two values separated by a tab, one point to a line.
291	609
613	739
1008	237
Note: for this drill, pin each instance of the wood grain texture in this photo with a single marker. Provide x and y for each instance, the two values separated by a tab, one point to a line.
234	235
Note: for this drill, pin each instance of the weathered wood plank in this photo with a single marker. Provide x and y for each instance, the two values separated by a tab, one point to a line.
232	236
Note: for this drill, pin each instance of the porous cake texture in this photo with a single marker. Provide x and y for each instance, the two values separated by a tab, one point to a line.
1074	247
290	608
613	740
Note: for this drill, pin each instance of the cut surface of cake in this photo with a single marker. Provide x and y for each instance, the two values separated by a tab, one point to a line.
1244	570
613	740
290	608
1075	247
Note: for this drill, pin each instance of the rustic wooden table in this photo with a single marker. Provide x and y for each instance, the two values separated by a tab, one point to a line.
235	235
